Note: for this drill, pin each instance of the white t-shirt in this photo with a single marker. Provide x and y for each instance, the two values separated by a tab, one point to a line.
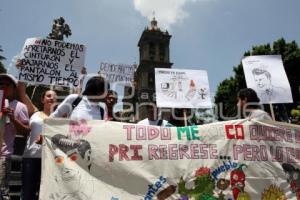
259	115
84	110
32	149
152	122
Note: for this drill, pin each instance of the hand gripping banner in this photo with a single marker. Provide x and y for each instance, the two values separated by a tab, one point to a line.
237	160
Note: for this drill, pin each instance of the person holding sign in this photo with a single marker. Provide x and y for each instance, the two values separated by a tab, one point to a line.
248	103
16	122
87	106
31	163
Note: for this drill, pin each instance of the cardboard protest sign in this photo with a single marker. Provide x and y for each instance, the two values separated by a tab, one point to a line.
51	62
235	160
266	75
117	72
181	88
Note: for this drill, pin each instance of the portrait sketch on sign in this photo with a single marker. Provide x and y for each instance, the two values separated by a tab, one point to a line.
266	75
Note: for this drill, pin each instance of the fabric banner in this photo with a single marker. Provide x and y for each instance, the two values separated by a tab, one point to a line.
182	88
117	73
266	75
237	160
51	62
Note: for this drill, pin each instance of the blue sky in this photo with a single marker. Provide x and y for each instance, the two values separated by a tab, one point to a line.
206	34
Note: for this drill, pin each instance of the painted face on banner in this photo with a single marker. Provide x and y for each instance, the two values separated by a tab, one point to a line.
69	173
71	157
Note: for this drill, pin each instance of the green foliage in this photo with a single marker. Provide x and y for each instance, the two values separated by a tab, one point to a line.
204	187
227	89
295	113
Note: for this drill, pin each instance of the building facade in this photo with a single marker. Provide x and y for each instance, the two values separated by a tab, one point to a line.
154	52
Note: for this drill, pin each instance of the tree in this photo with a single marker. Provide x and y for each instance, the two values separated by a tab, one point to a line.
227	90
2	68
59	29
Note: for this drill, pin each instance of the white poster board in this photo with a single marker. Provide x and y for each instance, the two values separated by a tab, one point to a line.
116	73
182	88
266	75
51	62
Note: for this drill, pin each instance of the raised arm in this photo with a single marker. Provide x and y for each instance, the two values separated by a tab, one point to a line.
25	99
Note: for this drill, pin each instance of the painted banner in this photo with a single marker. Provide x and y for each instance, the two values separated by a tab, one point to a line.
266	75
51	62
237	160
117	72
182	88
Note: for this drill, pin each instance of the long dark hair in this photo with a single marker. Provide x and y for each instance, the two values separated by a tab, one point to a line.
251	97
95	86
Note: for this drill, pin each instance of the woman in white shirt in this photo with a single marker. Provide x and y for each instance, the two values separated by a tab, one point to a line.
31	163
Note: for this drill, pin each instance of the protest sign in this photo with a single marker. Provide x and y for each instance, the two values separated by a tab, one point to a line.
182	88
224	160
266	75
117	72
51	62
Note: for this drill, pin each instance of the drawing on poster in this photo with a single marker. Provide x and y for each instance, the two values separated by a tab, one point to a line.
175	89
68	152
263	80
182	88
266	75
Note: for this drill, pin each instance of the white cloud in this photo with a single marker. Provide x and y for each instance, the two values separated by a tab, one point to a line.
167	12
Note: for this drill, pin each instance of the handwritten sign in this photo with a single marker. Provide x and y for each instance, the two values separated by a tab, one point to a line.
117	72
51	62
224	160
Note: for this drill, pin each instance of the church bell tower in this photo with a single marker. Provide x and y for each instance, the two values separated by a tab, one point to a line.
154	50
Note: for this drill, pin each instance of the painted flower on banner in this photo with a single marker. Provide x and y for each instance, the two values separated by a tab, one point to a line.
273	192
204	186
202	171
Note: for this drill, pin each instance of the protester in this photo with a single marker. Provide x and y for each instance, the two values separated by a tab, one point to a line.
153	118
110	100
17	119
31	163
248	103
86	106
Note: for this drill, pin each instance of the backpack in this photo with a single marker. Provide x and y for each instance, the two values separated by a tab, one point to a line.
77	101
159	123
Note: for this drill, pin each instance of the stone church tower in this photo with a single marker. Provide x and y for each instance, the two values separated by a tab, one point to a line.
154	53
154	50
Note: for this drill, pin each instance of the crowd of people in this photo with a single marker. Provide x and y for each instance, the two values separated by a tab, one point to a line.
21	116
